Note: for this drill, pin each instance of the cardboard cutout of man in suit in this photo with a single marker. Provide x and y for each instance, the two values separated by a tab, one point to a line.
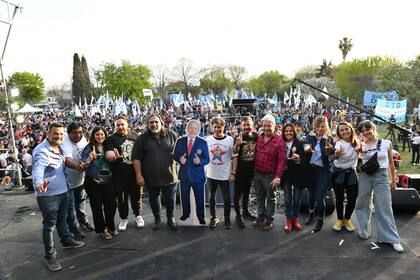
192	153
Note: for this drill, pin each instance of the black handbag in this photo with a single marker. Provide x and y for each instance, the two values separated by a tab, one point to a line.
372	165
103	178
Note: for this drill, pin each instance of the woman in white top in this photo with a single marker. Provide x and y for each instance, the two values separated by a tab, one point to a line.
415	149
378	182
344	174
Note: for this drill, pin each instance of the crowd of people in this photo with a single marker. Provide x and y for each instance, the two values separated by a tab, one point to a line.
111	160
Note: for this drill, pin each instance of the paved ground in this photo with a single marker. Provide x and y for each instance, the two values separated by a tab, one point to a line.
200	253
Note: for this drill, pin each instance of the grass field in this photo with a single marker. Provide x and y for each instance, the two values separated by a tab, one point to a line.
405	164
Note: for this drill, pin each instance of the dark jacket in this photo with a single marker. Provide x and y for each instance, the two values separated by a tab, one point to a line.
297	173
155	155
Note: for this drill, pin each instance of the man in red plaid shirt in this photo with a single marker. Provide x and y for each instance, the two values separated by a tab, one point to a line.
270	160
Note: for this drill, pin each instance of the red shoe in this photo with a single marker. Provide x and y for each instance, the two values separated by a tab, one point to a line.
288	226
296	224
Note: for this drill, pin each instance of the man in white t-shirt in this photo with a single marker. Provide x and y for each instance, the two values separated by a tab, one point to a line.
219	171
73	145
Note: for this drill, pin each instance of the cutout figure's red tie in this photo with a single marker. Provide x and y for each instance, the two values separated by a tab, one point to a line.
190	144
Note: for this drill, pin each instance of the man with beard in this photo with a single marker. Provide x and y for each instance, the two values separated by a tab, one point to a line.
155	168
118	153
73	145
51	193
192	153
270	160
244	174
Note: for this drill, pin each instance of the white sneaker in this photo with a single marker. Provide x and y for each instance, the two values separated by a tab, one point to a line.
139	222
123	225
397	247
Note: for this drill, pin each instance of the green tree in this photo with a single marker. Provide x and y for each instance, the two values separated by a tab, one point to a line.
269	82
345	47
30	85
236	74
215	80
77	82
86	83
126	80
353	77
326	69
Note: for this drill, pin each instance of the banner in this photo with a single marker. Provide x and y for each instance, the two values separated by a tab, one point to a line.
385	109
371	97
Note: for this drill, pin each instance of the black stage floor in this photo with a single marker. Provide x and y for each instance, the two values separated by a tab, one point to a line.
200	253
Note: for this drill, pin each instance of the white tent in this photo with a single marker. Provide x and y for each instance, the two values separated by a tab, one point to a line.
28	109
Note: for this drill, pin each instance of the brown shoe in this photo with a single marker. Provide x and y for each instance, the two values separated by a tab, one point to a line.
258	222
268	226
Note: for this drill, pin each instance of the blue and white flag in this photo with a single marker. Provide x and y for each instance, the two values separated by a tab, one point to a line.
385	109
370	98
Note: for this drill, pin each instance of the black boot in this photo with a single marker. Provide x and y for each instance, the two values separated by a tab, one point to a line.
310	218
172	223
247	215
240	222
318	225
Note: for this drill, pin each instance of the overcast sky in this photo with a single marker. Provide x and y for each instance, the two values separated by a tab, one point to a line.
261	35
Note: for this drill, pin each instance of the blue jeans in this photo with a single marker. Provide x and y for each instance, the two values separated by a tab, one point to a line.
265	193
76	208
54	213
292	200
384	217
321	183
169	197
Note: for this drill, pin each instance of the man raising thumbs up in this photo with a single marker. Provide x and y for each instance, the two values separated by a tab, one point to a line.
191	152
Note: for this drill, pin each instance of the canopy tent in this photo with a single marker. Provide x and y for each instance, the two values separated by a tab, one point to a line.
28	109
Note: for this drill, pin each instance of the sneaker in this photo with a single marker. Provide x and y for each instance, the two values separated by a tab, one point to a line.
71	244
123	225
52	264
78	235
349	225
114	233
338	225
213	222
139	222
397	247
240	222
87	227
228	225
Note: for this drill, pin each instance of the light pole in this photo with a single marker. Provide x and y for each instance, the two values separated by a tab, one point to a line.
16	8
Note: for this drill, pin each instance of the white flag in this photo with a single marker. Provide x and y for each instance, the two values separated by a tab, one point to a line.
323	94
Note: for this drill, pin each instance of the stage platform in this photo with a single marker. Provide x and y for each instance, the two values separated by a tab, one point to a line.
200	253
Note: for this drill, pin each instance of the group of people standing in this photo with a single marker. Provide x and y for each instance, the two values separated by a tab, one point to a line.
114	169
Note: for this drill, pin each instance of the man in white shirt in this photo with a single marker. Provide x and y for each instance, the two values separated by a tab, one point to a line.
73	145
219	171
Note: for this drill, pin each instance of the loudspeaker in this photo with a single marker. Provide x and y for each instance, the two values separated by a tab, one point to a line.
405	200
329	202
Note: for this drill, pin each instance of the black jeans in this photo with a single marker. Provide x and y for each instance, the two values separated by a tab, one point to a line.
351	193
415	153
169	197
124	187
242	188
224	187
103	204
